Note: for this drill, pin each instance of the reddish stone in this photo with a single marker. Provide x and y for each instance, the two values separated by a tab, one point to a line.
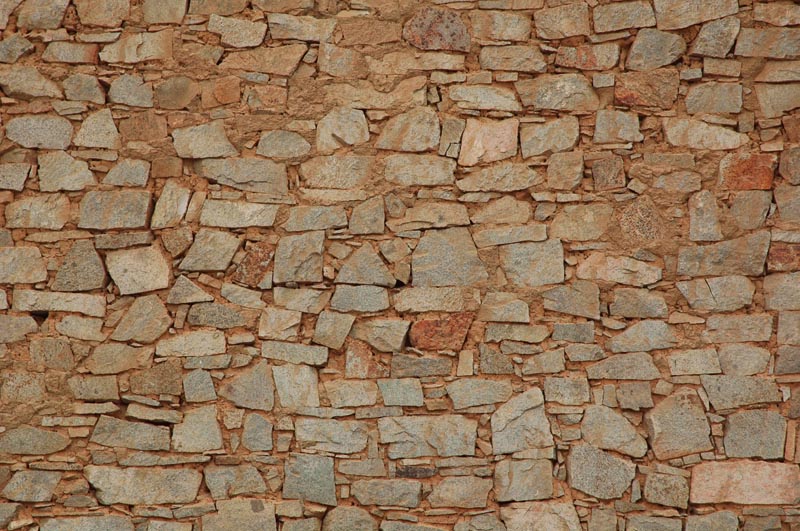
448	333
747	171
361	362
437	28
746	483
254	266
783	257
656	88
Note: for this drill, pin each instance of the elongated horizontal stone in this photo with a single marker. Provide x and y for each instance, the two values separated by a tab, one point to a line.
48	301
745	482
143	486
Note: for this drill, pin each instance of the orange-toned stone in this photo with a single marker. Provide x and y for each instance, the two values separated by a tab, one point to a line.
748	171
361	362
255	264
447	333
783	257
656	88
746	483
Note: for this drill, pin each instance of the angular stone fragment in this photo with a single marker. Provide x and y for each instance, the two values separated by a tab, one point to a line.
31	486
14	47
278	60
21	265
520	424
419	170
774	43
462	267
716	38
488	141
123	209
543	515
299	258
695	134
296	386
401	392
622	15
128	172
475	392
203	141
327	435
40	131
50	301
14	328
139	47
192	343
143	486
447	333
616	127
25	82
13	175
747	171
212	250
116	433
386	335
728	392
589	57
282	144
198	432
341	127
503	177
653	49
724	294
500	25
606	429
533	264
559	92
740	256
655	88
677	14
484	98
461	491
226	481
145	321
237	32
29	440
714	98
392	492
339	172
251	388
694	361
745	482
755	433
635	366
419	436
512	58
582	222
718	521
241	515
310	478
138	270
306	218
415	130
562	21
569	391
130	89
236	214
437	28
631	302
738	328
598	473
345	518
88	523
523	480
558	135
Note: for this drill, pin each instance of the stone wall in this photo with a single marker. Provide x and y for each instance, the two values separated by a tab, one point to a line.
492	265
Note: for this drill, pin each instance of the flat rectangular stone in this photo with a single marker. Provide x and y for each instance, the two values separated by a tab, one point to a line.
194	343
143	486
738	328
745	483
419	436
774	43
21	265
294	352
27	300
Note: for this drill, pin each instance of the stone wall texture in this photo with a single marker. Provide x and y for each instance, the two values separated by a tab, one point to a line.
400	265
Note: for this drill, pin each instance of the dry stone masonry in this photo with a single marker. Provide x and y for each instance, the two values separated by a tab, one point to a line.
400	265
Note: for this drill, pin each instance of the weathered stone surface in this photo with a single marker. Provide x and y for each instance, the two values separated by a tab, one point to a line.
695	134
211	250
728	392
598	473
745	482
755	433
394	492
622	15
28	440
349	519
463	267
326	435
242	515
562	21
40	132
533	264
88	523
675	14
520	424
138	270
251	175
31	486
299	258
475	392
604	428
558	135
774	43
559	92
21	265
644	336
251	388
143	486
116	433
724	294
512	58
547	515
740	256
441	435
635	366
488	141
310	477
582	222
124	209
654	88
677	426
203	141
296	386
139	47
198	432
653	49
